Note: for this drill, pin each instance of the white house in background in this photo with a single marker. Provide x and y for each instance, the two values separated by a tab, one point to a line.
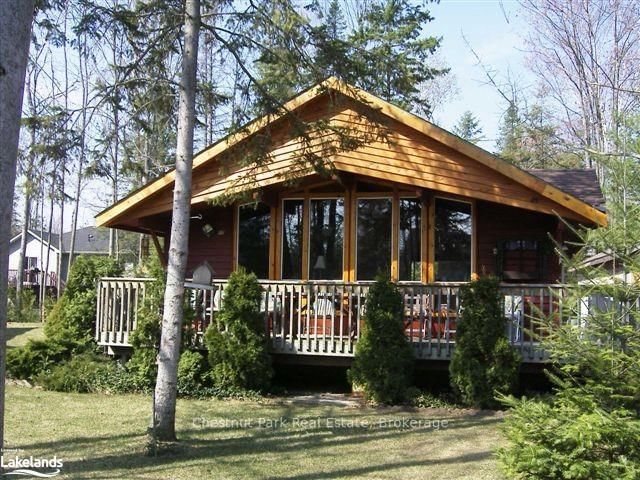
89	241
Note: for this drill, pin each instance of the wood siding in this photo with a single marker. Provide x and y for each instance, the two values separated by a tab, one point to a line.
216	249
498	223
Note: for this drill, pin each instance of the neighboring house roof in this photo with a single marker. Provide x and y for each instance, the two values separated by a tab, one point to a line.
533	192
88	240
580	183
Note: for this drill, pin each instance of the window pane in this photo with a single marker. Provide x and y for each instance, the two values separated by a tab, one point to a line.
326	239
292	239
374	238
453	241
409	239
253	239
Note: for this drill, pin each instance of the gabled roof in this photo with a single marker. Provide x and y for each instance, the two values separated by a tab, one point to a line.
54	239
88	240
542	188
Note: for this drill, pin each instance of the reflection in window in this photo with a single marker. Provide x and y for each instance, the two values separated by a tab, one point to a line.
409	239
453	241
292	239
374	238
326	239
253	238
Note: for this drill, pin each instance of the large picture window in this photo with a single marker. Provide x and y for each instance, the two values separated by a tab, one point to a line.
253	238
326	238
453	241
292	230
374	238
409	242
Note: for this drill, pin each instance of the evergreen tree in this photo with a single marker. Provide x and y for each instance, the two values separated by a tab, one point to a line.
468	128
590	428
385	53
383	363
395	52
483	361
236	341
511	135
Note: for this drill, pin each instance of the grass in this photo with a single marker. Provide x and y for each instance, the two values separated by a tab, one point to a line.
19	333
99	436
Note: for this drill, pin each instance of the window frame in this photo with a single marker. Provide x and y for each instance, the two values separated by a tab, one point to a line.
421	235
309	199
432	236
375	196
236	246
281	228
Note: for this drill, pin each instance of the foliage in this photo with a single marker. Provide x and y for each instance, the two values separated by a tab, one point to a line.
192	372
78	374
145	339
383	363
425	399
468	128
237	349
73	316
385	50
571	437
69	327
590	428
528	138
37	357
483	361
29	312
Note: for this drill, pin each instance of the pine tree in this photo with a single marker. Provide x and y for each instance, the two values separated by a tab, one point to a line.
395	52
468	128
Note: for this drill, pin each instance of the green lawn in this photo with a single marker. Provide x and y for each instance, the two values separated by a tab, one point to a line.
19	333
99	436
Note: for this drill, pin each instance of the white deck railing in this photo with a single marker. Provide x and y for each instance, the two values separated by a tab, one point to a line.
326	318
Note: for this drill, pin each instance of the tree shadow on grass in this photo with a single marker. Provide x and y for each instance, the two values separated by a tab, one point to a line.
207	446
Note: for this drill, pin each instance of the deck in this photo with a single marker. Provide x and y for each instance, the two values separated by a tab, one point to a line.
326	318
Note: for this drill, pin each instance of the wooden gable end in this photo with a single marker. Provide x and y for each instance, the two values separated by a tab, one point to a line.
399	148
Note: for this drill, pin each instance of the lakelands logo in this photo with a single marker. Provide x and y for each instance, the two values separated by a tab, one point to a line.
30	466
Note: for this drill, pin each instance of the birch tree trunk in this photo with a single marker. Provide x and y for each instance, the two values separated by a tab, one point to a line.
15	33
169	355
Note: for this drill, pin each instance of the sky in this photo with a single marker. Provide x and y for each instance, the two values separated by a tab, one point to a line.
494	30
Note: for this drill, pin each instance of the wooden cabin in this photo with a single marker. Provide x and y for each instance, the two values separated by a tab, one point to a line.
407	199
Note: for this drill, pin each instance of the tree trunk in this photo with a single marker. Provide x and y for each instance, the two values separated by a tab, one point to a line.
23	250
84	82
15	33
169	355
28	186
65	57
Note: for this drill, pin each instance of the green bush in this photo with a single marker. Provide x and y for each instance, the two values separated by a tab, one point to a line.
570	437
29	311
37	357
383	363
74	315
192	373
483	361
70	324
79	374
145	339
236	342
